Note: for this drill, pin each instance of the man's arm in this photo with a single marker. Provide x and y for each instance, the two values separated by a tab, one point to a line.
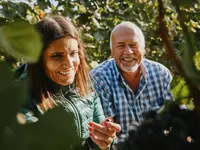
104	92
167	95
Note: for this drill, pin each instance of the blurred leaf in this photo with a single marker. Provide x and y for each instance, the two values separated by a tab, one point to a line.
83	18
96	23
179	89
88	37
10	93
43	4
81	8
2	21
197	61
20	39
54	130
94	64
7	12
98	36
187	59
184	2
90	46
12	96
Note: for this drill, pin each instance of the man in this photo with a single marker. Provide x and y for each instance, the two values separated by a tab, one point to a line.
129	84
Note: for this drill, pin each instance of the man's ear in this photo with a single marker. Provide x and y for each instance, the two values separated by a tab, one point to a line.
111	52
144	52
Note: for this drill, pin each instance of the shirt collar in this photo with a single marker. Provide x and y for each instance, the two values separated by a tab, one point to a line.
143	68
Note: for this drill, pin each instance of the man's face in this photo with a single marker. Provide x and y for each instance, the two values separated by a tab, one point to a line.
125	49
61	60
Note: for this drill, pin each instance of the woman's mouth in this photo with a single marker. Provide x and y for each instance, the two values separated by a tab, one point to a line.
65	72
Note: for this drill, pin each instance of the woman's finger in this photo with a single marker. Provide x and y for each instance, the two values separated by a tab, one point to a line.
113	126
100	143
101	136
101	128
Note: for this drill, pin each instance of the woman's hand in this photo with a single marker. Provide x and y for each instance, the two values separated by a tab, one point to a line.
103	134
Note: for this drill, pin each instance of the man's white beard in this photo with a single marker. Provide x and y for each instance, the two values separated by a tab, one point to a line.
130	69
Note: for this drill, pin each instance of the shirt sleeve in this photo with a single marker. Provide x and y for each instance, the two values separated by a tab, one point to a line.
106	98
98	114
167	95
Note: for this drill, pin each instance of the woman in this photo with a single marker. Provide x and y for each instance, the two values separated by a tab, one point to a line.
60	79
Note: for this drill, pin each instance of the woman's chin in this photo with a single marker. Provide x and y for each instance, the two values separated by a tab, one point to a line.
66	82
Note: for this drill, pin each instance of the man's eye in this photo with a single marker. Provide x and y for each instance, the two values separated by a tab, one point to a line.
120	46
133	45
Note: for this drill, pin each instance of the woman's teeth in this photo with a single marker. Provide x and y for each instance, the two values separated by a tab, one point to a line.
64	73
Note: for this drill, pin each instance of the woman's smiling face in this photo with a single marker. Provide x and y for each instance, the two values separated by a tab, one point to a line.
61	60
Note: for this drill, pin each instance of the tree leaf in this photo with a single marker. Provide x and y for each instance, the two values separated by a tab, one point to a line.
12	96
98	36
54	130
20	39
184	2
197	61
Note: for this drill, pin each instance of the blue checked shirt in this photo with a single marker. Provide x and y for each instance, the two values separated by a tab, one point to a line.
118	99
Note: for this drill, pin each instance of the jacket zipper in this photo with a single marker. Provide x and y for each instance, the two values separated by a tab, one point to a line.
76	114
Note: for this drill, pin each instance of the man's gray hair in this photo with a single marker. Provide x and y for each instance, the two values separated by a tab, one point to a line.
136	30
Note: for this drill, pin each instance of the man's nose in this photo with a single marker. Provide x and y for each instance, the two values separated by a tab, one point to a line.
128	50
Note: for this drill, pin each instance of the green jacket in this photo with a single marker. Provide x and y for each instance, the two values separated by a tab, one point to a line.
66	125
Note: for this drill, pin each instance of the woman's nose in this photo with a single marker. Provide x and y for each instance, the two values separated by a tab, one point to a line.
67	62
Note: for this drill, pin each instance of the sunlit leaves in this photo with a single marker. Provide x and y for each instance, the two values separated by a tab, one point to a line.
197	61
81	8
180	89
98	36
96	23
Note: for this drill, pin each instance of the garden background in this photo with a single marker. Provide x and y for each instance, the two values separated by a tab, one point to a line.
171	29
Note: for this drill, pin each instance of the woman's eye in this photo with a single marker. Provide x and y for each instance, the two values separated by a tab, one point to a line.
56	57
74	53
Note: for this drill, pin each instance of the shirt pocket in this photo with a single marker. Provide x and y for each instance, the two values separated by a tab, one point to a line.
151	102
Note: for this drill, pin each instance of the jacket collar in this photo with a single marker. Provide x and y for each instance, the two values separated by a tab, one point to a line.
54	87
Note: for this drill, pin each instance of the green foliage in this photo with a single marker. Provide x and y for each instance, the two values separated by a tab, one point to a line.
12	95
181	92
95	20
21	40
197	61
51	122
